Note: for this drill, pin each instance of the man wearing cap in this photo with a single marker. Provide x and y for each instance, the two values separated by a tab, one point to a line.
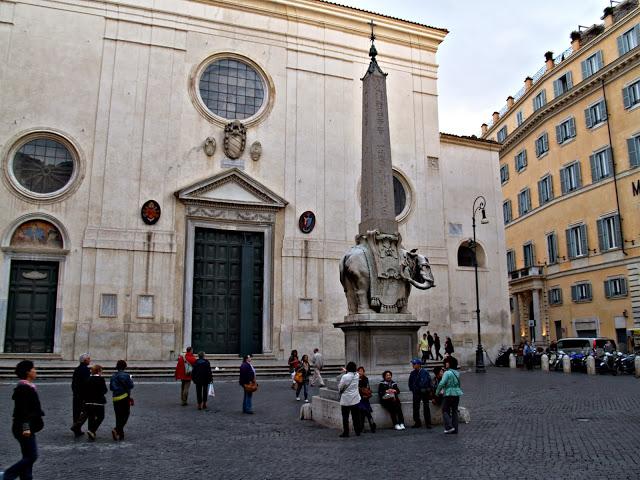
420	385
80	376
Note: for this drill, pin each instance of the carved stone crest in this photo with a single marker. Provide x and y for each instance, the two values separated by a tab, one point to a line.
209	146
255	152
235	138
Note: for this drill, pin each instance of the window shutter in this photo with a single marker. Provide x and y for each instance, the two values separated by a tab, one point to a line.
603	110
578	175
607	288
601	244
634	154
626	97
520	204
538	147
557	250
528	197
569	80
595	168
544	97
563	181
570	243
587	117
524	158
556	88
550	183
572	127
636	32
599	59
545	142
621	46
623	286
559	133
609	159
585	69
617	230
583	239
574	293
588	291
540	198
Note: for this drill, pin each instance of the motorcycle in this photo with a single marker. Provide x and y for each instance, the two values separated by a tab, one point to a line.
607	363
625	363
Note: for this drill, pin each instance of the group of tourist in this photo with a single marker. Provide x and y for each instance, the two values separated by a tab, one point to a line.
197	370
305	372
429	342
88	395
444	389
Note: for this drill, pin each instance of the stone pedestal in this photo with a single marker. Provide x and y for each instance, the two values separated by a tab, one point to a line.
379	342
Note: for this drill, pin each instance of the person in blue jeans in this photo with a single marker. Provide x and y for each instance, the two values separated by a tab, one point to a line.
247	376
27	421
305	371
450	386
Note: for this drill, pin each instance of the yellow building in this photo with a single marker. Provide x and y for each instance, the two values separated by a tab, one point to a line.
571	184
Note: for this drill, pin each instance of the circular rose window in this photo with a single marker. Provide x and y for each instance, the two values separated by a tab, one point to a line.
232	89
42	166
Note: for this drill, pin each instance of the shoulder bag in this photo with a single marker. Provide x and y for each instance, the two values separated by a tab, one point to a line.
251	386
188	368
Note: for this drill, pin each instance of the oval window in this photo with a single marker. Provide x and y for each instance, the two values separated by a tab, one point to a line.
43	166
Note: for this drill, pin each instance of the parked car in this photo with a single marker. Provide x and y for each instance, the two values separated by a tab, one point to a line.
583	345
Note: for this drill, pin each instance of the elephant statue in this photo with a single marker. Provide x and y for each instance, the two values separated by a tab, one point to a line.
355	276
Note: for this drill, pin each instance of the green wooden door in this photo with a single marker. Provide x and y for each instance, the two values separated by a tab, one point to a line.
31	310
227	291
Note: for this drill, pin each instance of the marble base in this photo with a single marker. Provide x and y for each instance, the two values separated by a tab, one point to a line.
379	342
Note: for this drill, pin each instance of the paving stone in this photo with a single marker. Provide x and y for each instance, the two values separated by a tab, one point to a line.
545	424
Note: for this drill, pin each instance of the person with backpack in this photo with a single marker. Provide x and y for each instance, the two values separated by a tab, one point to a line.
27	421
202	377
450	386
420	386
121	385
183	373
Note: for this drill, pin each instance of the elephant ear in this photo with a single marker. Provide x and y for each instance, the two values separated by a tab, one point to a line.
413	252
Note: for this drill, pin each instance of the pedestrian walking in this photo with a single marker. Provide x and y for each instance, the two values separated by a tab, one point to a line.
202	377
389	394
448	346
27	421
183	372
423	348
294	363
364	389
302	378
317	363
248	383
421	387
528	355
121	385
94	401
430	342
80	376
349	399
436	344
450	387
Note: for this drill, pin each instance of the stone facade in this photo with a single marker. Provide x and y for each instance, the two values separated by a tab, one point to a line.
119	85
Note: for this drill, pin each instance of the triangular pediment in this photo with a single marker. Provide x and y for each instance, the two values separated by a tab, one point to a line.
232	188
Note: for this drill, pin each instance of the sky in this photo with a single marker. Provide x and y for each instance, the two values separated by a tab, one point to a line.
491	47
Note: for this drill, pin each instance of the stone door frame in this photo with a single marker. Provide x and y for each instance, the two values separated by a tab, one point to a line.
267	293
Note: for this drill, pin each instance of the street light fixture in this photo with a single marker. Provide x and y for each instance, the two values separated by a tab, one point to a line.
479	205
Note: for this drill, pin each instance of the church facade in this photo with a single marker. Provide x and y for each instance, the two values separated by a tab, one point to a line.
187	173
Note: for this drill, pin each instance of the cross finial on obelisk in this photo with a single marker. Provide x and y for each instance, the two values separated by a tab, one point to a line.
376	197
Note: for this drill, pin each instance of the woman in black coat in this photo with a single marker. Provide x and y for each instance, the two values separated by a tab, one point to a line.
27	421
202	377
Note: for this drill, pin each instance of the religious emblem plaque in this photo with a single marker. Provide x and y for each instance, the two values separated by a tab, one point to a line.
307	221
150	212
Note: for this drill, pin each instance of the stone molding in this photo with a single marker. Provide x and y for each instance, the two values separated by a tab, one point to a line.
130	239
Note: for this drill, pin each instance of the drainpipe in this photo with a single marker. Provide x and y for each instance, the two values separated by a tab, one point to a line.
613	165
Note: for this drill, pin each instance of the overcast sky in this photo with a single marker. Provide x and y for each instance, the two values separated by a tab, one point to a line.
491	47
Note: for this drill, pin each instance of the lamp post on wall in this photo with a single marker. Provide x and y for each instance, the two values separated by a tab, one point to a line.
478	206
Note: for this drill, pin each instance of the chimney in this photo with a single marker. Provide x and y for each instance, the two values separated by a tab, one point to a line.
548	57
484	128
608	17
575	40
496	117
528	83
510	101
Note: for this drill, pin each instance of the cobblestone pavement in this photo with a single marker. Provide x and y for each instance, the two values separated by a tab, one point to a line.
524	424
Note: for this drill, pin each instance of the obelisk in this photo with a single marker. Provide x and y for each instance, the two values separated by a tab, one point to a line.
376	190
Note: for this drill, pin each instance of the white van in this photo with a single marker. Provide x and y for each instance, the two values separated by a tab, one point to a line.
583	345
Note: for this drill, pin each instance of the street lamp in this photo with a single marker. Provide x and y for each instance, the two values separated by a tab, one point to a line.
478	206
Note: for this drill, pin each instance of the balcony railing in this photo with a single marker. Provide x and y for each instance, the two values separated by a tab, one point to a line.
536	270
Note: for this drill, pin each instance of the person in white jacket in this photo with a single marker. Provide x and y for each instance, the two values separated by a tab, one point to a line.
349	399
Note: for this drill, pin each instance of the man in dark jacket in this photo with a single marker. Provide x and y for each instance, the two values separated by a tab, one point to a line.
202	377
27	421
420	385
80	376
436	343
430	342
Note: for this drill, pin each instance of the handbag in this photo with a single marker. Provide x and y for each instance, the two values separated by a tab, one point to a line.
388	396
250	387
298	377
365	392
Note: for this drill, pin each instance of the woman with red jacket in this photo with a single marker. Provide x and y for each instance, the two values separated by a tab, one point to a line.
183	373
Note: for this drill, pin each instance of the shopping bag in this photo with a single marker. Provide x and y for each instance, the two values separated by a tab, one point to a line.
212	391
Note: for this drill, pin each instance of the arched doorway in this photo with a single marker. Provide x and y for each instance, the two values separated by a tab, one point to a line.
33	287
